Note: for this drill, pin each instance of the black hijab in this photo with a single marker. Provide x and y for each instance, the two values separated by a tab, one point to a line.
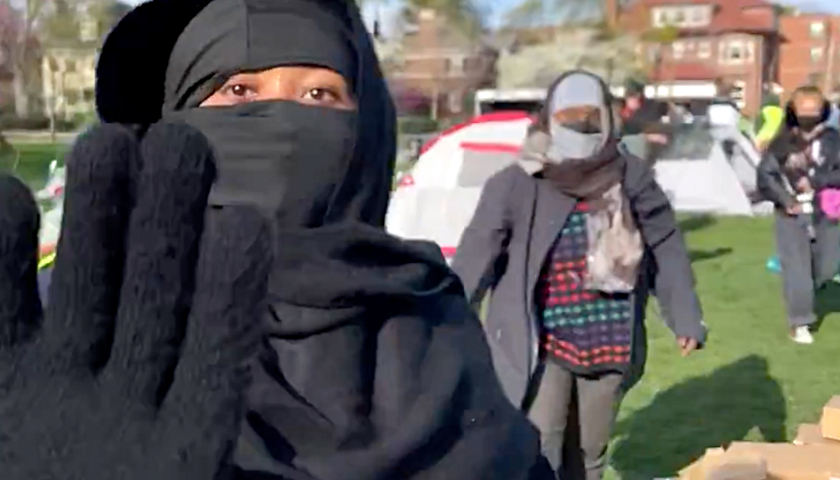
373	366
796	134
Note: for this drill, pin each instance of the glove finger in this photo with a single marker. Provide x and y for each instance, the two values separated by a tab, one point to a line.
83	295
20	307
203	408
163	244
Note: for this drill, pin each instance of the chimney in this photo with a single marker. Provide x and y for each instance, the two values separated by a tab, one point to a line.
612	12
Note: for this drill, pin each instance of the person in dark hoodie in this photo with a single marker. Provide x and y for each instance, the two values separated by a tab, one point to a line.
642	117
565	240
801	161
373	366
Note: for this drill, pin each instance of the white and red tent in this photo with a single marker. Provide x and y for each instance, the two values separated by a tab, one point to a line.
706	169
436	199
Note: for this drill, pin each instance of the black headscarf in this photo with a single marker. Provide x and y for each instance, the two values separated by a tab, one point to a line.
307	165
796	134
373	366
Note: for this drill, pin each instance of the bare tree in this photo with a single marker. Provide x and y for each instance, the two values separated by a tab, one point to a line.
26	24
20	48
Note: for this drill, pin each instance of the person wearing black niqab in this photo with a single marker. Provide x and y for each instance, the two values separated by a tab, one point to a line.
373	366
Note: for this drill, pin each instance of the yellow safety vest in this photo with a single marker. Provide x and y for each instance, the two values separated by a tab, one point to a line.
46	261
774	117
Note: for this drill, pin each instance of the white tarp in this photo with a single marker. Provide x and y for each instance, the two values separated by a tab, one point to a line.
440	160
439	195
709	170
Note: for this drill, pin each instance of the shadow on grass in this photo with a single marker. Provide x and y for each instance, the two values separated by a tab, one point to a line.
828	302
696	222
700	413
701	255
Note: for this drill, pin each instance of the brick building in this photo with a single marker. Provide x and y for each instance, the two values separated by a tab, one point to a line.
443	63
691	44
810	53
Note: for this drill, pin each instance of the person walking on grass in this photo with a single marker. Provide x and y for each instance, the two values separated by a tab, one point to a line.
567	240
798	169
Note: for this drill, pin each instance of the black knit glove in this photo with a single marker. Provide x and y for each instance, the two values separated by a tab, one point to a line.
137	368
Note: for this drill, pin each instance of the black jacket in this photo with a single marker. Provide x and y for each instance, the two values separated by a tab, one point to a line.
647	119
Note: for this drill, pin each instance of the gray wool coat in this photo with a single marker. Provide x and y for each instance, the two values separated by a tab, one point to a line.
504	248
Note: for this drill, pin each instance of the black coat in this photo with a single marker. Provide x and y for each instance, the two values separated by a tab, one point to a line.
504	248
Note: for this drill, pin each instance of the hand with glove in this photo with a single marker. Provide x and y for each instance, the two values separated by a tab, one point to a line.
137	367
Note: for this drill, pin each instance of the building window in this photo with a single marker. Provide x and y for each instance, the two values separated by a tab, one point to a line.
456	102
704	49
816	54
660	18
691	16
653	54
678	49
69	66
700	16
738	93
72	98
736	51
817	29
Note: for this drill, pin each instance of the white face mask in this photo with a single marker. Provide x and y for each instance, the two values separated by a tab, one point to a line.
567	144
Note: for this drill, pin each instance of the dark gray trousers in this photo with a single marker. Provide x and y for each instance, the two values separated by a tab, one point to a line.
575	416
807	264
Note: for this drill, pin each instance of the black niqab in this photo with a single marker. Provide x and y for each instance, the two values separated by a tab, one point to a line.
289	158
373	365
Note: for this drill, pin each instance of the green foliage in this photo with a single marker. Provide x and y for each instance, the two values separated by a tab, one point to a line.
465	15
662	35
62	25
532	13
33	164
606	31
416	125
782	9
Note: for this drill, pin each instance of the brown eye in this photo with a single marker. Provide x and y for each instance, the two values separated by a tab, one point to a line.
321	95
239	90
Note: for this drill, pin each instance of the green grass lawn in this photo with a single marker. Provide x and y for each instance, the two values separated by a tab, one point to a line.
750	383
34	162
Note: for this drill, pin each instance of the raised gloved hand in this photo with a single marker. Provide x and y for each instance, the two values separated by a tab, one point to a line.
137	367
